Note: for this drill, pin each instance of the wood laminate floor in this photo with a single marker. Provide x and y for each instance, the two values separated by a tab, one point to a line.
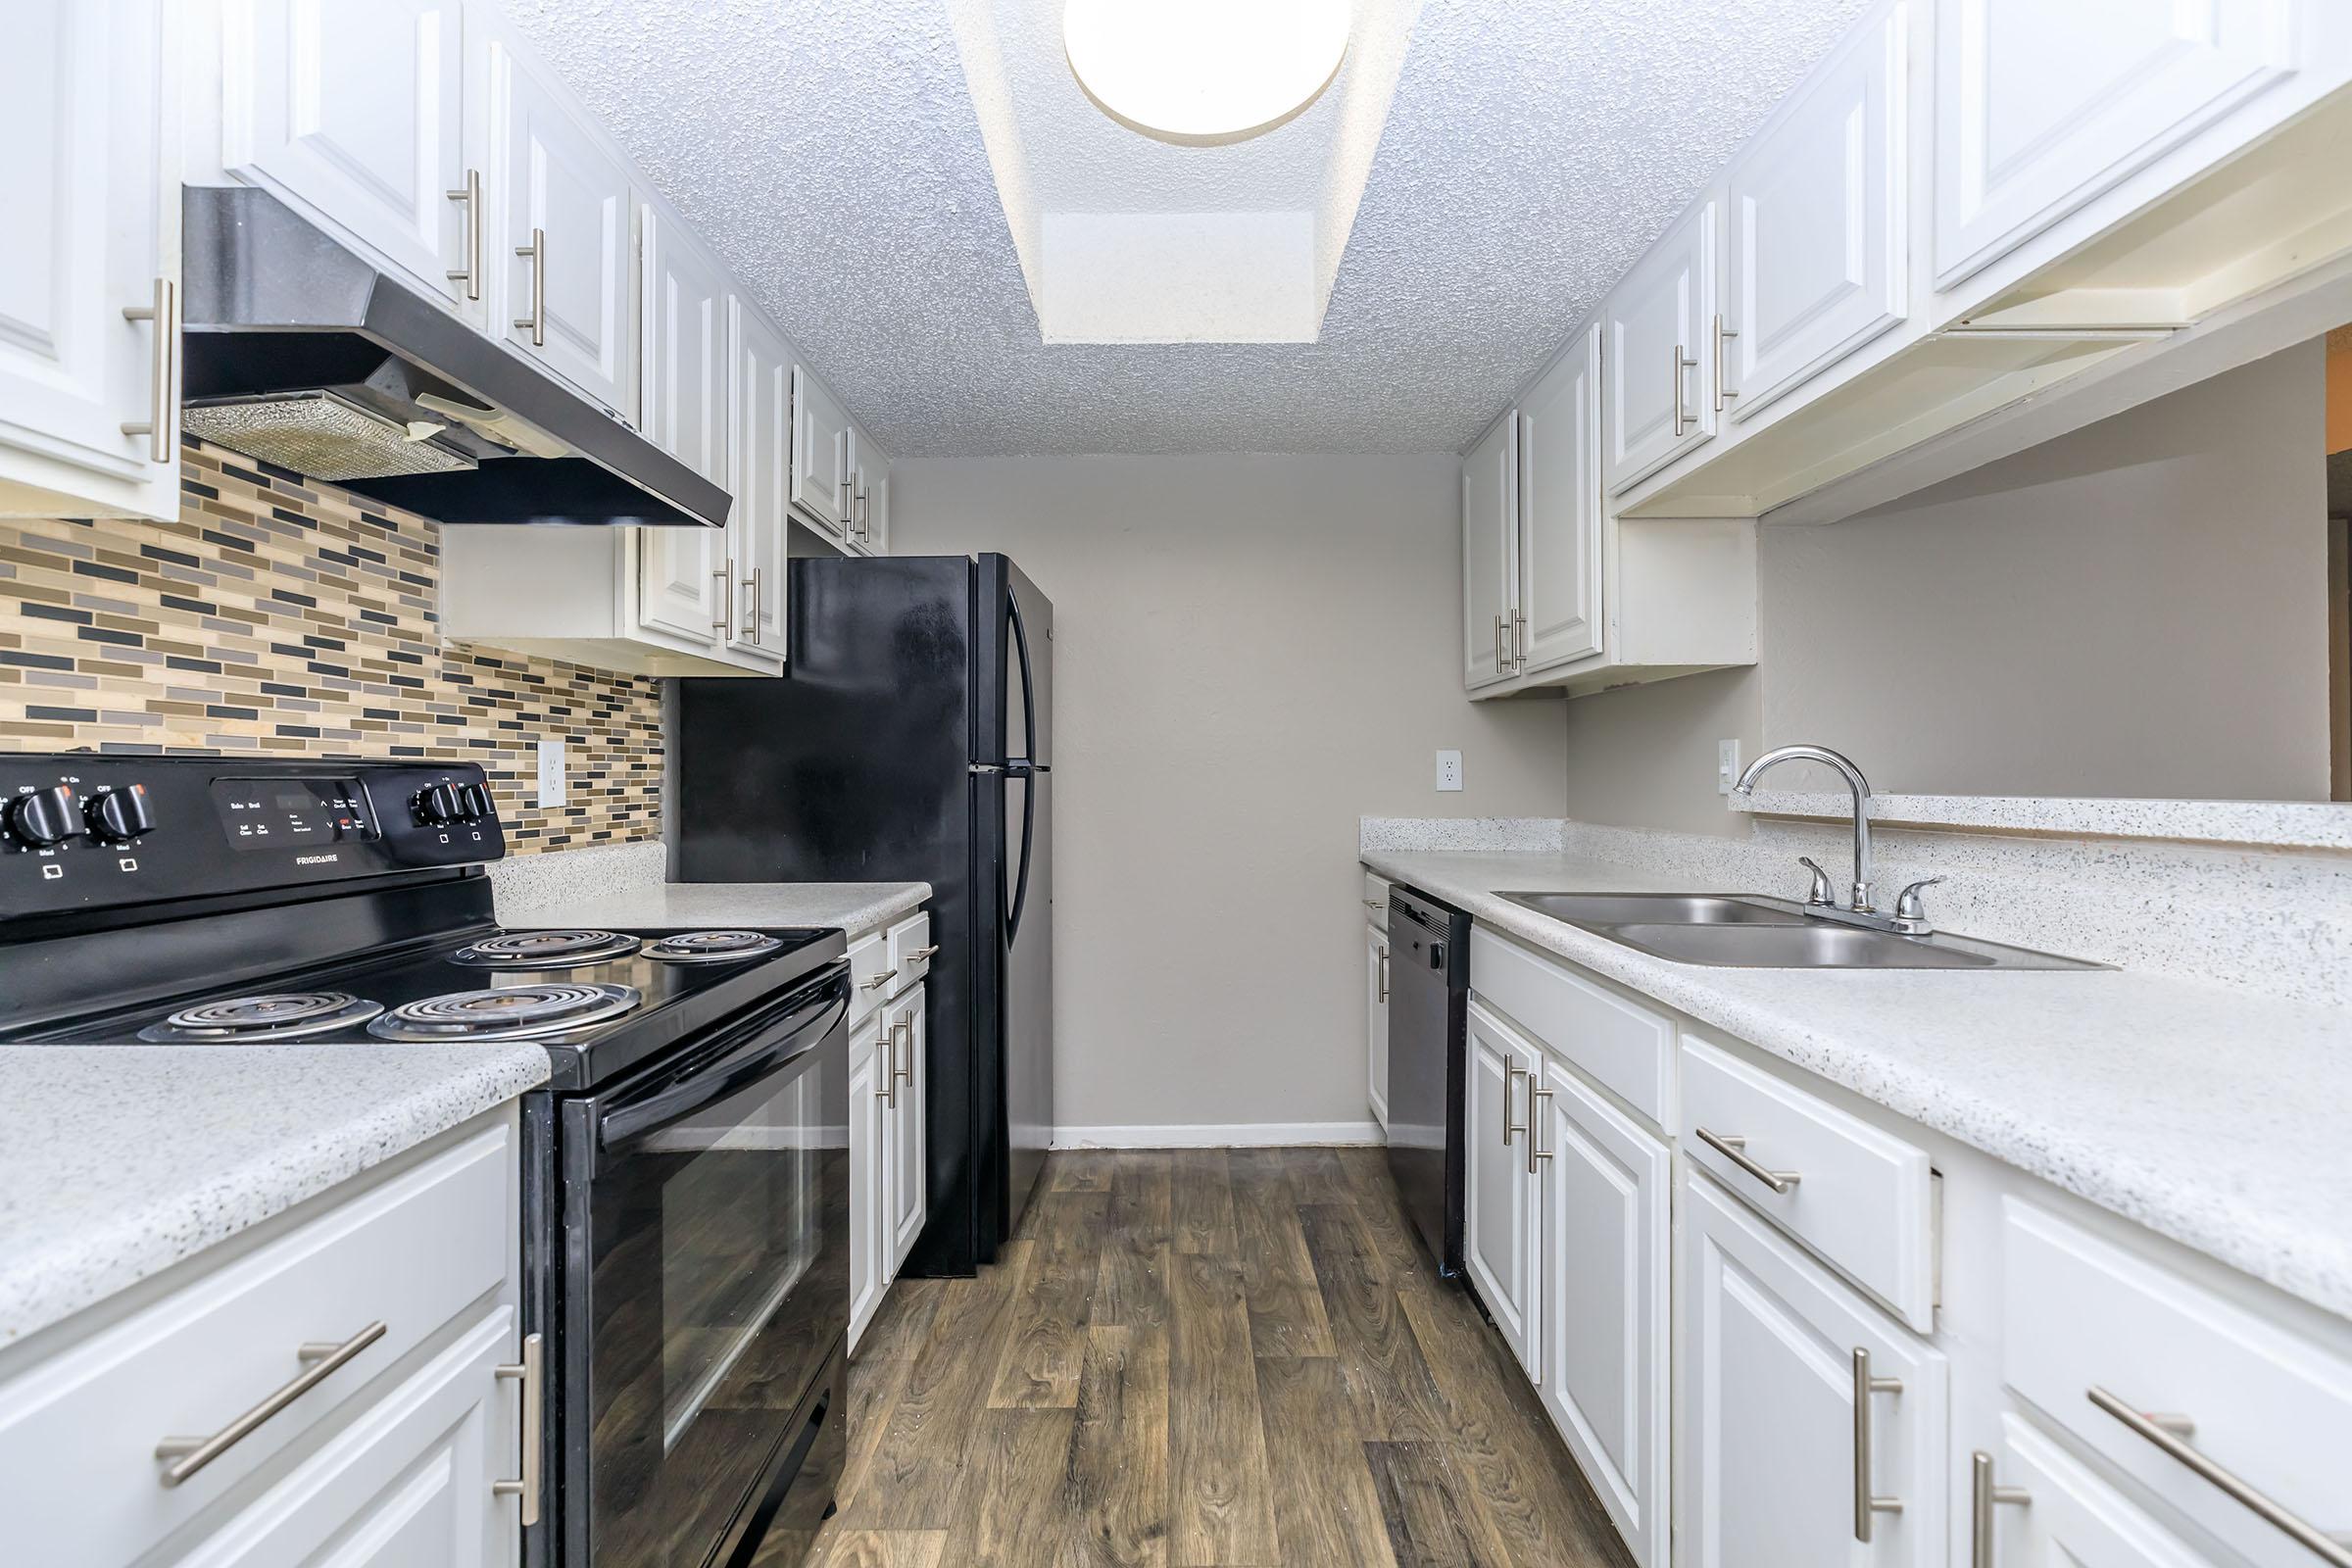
1203	1358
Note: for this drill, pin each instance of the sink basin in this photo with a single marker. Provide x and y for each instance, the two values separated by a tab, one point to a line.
1750	931
1667	909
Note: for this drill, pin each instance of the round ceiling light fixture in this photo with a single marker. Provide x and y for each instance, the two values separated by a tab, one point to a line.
1205	70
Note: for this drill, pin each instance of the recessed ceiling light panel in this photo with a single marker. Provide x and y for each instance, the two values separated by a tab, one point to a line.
1202	68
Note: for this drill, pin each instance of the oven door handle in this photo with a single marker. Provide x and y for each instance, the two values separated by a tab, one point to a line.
777	1042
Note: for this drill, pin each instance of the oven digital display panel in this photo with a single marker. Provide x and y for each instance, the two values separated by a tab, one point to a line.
264	813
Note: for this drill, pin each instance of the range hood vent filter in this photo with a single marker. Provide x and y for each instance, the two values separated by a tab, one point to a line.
320	435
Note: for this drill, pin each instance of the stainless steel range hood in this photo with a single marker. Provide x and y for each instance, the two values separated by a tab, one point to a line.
296	349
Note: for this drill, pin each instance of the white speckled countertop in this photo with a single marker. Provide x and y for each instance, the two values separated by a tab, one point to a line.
117	1161
852	907
2210	1114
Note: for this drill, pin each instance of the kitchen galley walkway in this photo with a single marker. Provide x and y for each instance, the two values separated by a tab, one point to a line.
1203	1358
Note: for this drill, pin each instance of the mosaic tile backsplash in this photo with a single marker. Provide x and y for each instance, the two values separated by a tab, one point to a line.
286	618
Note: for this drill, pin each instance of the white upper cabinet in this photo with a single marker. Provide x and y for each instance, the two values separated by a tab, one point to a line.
1657	351
1815	242
1490	540
820	435
762	416
353	111
564	257
685	573
2041	104
1559	620
88	394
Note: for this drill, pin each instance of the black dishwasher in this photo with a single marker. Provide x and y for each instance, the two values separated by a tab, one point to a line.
1428	1005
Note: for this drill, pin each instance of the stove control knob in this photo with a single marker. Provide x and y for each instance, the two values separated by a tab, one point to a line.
439	805
45	818
120	815
479	808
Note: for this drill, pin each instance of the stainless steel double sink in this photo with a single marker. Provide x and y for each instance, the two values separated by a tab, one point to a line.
1755	931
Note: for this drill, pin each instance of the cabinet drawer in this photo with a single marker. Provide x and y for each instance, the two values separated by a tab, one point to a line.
1862	1198
907	949
78	1442
2081	1314
1622	1046
869	974
1376	899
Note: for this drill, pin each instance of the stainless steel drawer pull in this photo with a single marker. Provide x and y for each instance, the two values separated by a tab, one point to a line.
1983	1495
724	624
1674	389
1734	1149
1533	1126
1384	995
531	1372
889	1046
1510	1070
191	1454
904	1031
1374	904
2171	1435
536	322
470	193
163	392
930	952
878	981
750	627
1722	394
1867	1506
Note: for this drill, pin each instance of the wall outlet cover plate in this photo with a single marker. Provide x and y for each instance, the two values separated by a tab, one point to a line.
1449	770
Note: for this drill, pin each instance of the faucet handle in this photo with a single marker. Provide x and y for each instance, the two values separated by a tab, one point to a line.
1907	903
1824	891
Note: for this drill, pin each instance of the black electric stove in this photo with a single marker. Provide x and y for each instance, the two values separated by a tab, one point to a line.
685	1183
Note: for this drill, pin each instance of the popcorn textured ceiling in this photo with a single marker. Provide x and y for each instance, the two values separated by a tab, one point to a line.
830	151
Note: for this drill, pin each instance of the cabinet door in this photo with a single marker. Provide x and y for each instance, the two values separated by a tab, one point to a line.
761	416
906	1038
1376	1013
407	1485
1490	574
871	1131
1560	513
1816	240
353	111
820	435
685	365
1656	350
2042	104
1498	1219
566	291
80	116
1771	1462
1604	1208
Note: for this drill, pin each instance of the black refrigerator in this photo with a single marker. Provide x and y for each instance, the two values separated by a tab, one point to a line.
909	739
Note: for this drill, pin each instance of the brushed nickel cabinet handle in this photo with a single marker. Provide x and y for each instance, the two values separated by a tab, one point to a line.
930	952
2171	1434
1501	659
1867	1506
161	422
1722	394
905	1028
1674	386
536	322
750	627
889	1092
878	981
1534	1124
1374	904
1510	1070
1384	995
531	1372
1983	1495
1518	642
725	577
1734	1149
470	193
325	1358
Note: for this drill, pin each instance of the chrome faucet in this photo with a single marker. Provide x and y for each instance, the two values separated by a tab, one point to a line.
1910	914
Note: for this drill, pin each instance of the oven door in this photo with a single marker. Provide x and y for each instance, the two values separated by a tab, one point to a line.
704	1283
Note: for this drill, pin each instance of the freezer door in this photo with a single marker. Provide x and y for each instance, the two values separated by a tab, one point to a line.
1029	985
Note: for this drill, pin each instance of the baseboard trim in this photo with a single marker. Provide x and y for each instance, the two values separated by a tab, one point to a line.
1220	1135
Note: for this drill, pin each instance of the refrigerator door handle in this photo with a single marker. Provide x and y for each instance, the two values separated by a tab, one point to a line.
984	767
1020	888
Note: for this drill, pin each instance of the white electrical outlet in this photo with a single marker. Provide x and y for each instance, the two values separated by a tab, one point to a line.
550	773
1449	770
1727	765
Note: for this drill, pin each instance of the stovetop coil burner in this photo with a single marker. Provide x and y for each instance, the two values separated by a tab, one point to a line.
278	1015
545	949
714	947
505	1012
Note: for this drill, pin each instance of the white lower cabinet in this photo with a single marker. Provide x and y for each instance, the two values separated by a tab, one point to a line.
889	1147
1498	1210
1603	1267
1797	1403
1376	1023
